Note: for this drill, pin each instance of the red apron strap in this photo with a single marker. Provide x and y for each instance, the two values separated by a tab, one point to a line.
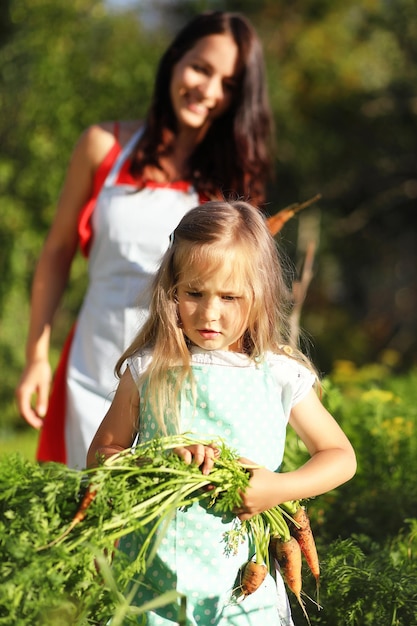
85	231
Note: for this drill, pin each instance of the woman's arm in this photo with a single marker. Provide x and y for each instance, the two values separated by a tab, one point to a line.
332	462
119	426
53	268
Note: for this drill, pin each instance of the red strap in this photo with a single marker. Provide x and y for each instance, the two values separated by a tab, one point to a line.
51	446
85	230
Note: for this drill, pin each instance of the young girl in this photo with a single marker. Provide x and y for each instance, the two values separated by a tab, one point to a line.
208	130
210	360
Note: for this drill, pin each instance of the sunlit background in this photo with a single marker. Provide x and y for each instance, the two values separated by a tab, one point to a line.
342	82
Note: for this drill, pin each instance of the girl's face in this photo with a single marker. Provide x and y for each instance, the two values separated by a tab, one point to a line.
213	309
204	81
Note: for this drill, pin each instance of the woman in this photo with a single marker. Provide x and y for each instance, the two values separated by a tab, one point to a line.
128	184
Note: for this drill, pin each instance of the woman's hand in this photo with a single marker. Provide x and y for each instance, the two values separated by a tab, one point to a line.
35	381
202	456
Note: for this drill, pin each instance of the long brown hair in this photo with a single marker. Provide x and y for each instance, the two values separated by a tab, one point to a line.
235	156
212	234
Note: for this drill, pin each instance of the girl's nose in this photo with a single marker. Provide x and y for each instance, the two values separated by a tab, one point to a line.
210	311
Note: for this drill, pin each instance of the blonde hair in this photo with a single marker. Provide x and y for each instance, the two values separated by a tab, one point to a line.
212	234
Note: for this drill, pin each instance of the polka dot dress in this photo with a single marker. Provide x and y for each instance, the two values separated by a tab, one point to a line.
248	406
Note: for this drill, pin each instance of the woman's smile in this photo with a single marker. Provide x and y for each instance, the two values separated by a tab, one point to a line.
203	81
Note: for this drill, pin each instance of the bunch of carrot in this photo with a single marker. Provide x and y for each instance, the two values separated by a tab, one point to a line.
160	482
282	534
288	550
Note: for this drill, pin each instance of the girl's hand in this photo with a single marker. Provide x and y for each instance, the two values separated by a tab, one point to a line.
35	381
259	495
202	456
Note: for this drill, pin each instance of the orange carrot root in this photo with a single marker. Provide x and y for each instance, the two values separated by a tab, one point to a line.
276	222
252	576
304	535
288	554
88	497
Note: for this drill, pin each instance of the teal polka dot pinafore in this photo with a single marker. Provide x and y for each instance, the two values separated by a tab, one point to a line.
248	406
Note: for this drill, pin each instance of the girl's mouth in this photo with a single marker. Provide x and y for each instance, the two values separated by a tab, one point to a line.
208	334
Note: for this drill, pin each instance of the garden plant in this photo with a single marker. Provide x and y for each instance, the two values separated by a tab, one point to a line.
54	571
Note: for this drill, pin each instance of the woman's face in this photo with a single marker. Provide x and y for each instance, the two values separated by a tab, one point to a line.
204	82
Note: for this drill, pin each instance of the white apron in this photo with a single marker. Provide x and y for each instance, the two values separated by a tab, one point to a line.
131	233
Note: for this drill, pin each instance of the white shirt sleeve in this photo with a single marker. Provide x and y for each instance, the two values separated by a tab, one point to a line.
137	365
294	380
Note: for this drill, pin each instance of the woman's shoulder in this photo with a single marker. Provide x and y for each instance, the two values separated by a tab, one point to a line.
98	139
121	130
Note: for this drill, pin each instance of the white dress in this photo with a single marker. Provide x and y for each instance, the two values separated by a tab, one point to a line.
131	232
248	405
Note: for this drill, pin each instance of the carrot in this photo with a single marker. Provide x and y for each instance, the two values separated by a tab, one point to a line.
88	497
252	576
288	554
302	532
276	222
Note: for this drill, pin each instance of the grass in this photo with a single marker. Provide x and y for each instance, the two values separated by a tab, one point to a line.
23	440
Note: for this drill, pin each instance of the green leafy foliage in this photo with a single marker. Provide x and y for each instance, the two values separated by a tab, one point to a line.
63	526
379	414
54	569
366	530
364	583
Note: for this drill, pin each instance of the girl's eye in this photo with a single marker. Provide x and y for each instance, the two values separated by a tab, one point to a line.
229	298
193	294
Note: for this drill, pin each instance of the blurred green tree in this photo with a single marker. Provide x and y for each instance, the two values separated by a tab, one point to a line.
346	116
63	66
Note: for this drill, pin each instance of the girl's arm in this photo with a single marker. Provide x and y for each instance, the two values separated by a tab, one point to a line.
119	426
53	268
332	462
